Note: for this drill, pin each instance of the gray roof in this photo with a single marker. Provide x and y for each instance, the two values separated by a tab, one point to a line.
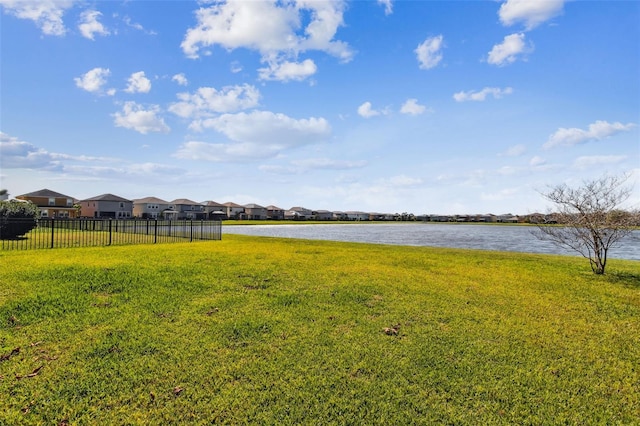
212	204
45	193
185	201
154	200
107	197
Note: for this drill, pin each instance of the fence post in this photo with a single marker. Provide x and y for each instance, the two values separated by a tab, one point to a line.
53	227
155	232
191	228
109	232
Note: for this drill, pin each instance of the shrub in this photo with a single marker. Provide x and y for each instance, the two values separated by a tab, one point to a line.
17	218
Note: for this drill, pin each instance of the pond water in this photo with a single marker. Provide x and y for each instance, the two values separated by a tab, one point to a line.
484	237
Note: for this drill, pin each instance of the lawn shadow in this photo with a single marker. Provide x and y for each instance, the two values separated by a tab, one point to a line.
627	279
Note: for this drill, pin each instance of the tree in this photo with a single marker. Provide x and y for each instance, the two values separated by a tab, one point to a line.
589	219
17	218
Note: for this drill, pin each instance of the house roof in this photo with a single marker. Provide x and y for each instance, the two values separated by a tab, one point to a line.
274	208
45	193
107	197
212	204
253	206
185	201
230	204
154	200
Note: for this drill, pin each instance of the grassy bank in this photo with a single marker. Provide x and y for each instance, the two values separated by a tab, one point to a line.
277	331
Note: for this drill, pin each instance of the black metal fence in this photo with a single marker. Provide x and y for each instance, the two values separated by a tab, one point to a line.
56	233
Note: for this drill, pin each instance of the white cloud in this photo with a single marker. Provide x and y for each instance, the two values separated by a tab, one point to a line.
596	131
388	6
255	135
135	117
504	194
138	83
137	26
429	52
275	29
235	67
328	163
89	25
401	181
46	14
180	79
366	111
93	80
537	161
514	151
17	154
265	127
412	107
496	92
589	162
218	152
531	13
208	100
507	52
303	166
285	71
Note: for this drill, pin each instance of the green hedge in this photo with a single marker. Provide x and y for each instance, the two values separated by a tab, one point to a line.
17	218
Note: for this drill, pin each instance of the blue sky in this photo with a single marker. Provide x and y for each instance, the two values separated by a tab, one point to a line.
387	106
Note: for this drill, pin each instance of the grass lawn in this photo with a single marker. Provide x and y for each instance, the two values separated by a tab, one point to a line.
279	331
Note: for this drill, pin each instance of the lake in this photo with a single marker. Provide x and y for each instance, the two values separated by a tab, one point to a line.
483	237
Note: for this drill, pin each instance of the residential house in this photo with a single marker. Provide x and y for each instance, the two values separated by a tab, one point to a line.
275	213
152	208
355	215
339	215
255	212
187	209
507	218
52	204
382	216
298	213
215	211
234	211
106	206
322	215
441	218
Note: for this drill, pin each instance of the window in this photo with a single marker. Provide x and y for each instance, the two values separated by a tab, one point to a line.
44	213
122	205
69	202
52	201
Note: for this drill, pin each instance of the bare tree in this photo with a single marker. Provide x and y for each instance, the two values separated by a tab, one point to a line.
589	219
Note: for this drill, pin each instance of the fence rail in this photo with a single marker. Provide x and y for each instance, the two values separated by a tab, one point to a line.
57	233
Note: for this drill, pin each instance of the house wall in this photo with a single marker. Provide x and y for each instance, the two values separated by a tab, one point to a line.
275	214
256	214
59	207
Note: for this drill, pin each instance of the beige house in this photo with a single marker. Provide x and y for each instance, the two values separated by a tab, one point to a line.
234	211
298	213
275	213
255	212
215	210
151	208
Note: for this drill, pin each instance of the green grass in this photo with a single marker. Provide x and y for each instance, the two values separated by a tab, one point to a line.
280	331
